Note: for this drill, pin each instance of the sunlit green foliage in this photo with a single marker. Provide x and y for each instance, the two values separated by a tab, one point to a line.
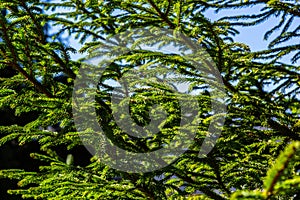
256	156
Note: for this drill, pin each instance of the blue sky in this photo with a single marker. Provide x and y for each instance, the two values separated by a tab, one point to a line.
253	36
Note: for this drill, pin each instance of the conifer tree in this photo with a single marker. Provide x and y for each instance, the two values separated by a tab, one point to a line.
256	156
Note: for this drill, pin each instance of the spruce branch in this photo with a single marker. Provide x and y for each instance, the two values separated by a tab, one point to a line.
15	60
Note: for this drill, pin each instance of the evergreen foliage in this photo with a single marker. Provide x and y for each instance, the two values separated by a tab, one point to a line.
257	154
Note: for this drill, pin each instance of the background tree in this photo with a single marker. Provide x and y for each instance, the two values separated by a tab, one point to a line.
260	123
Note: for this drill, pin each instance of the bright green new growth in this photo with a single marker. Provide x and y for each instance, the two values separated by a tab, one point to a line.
281	180
256	156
